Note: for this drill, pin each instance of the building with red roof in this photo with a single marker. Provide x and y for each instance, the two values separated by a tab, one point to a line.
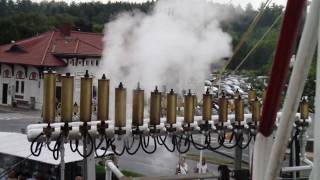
62	50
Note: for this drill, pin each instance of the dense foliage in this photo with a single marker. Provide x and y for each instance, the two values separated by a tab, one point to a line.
23	18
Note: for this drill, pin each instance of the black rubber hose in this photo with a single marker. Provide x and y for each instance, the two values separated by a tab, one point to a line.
209	143
146	144
115	150
144	147
186	144
172	141
91	144
37	151
136	150
160	142
71	147
221	139
247	144
198	147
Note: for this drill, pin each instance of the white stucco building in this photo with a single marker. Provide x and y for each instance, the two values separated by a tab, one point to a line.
22	64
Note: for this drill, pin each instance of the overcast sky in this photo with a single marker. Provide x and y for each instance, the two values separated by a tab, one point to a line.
243	3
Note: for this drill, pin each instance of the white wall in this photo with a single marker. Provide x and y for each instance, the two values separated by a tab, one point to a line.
78	71
33	88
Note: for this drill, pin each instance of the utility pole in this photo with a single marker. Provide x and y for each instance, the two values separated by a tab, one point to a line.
62	162
238	151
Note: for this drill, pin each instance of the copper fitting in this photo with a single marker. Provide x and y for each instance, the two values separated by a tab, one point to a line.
137	107
239	109
237	94
49	97
67	97
189	108
223	108
75	108
120	106
304	109
103	98
86	98
264	93
155	107
171	107
207	106
256	110
252	94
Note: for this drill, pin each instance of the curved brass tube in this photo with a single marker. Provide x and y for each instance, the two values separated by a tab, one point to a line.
120	106
67	83
49	97
171	107
207	106
86	98
189	108
137	107
103	98
155	107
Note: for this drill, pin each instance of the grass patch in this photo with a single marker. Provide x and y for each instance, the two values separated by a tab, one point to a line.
131	174
100	173
213	160
100	169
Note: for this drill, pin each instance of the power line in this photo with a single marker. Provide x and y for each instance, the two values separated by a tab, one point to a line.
259	42
6	171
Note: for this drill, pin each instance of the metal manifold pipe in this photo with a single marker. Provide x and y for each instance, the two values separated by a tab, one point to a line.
99	131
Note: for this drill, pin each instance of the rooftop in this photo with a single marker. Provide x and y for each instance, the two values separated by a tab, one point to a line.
47	49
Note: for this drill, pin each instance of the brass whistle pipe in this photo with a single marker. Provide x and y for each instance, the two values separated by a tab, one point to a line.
171	107
207	106
120	106
239	109
67	83
256	110
189	108
304	109
137	107
49	97
223	108
103	98
86	98
155	107
252	94
237	94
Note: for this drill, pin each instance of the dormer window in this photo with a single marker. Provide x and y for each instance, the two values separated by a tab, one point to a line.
19	75
17	49
6	73
33	76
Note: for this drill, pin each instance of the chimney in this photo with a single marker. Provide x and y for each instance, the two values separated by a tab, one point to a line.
65	29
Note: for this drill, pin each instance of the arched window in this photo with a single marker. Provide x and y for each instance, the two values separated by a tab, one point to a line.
19	75
33	76
6	73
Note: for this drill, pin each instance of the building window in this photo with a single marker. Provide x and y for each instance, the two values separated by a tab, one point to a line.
19	75
22	87
97	63
33	76
6	73
92	62
72	62
87	63
17	86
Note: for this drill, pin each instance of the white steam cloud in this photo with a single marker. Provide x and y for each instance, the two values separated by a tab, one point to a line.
174	45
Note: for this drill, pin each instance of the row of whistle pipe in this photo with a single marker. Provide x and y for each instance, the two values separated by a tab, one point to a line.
67	87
